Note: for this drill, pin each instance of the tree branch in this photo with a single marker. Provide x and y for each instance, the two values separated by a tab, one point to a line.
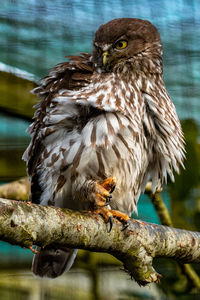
25	224
16	190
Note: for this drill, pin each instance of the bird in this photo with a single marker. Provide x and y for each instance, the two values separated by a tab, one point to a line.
104	127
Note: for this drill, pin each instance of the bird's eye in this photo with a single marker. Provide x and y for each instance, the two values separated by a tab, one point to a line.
121	45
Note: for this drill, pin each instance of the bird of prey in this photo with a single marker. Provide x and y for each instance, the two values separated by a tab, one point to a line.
104	127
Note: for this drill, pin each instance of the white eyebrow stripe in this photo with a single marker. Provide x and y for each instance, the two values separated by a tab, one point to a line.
103	47
106	47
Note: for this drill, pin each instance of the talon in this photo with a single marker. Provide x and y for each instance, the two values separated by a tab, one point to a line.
102	196
103	190
113	188
109	184
126	225
110	221
108	198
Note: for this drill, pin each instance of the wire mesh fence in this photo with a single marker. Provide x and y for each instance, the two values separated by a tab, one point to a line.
35	36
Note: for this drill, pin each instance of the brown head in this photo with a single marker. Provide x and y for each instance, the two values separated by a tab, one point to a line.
122	39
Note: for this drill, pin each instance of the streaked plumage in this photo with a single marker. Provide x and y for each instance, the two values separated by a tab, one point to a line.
103	115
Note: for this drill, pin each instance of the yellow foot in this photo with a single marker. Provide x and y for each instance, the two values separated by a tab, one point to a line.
33	250
109	214
103	190
102	196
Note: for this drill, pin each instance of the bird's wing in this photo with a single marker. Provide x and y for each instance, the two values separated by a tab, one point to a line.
106	92
68	75
80	110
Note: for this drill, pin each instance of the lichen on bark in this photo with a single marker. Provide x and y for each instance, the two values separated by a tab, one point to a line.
25	224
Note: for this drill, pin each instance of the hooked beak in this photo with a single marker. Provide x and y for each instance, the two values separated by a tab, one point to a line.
105	57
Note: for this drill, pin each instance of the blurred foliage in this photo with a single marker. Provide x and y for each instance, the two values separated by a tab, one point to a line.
16	100
15	95
11	165
185	212
185	191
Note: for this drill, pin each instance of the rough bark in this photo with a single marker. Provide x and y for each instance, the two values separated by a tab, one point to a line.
25	224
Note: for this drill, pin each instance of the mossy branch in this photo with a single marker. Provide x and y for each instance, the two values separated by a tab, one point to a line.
25	224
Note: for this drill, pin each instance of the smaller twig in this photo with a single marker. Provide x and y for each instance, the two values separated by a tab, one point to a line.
16	190
159	206
165	219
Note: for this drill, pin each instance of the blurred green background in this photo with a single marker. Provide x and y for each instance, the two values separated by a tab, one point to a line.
34	36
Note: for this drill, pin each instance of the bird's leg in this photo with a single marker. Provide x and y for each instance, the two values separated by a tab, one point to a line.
103	191
33	250
102	196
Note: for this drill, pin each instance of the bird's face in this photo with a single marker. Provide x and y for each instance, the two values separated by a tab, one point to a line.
107	55
121	39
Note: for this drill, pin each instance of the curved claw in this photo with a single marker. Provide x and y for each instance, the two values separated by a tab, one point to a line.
110	222
108	200
113	188
126	225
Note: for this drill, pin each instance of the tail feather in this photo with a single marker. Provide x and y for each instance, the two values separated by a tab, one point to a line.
53	262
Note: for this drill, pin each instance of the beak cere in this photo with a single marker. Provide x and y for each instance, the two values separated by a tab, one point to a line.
105	57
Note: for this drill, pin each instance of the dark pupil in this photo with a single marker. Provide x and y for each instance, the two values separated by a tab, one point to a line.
120	44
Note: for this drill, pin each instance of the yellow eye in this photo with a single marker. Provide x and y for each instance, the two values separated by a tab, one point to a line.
121	45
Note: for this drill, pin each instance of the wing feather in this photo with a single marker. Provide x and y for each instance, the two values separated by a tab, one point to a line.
70	75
